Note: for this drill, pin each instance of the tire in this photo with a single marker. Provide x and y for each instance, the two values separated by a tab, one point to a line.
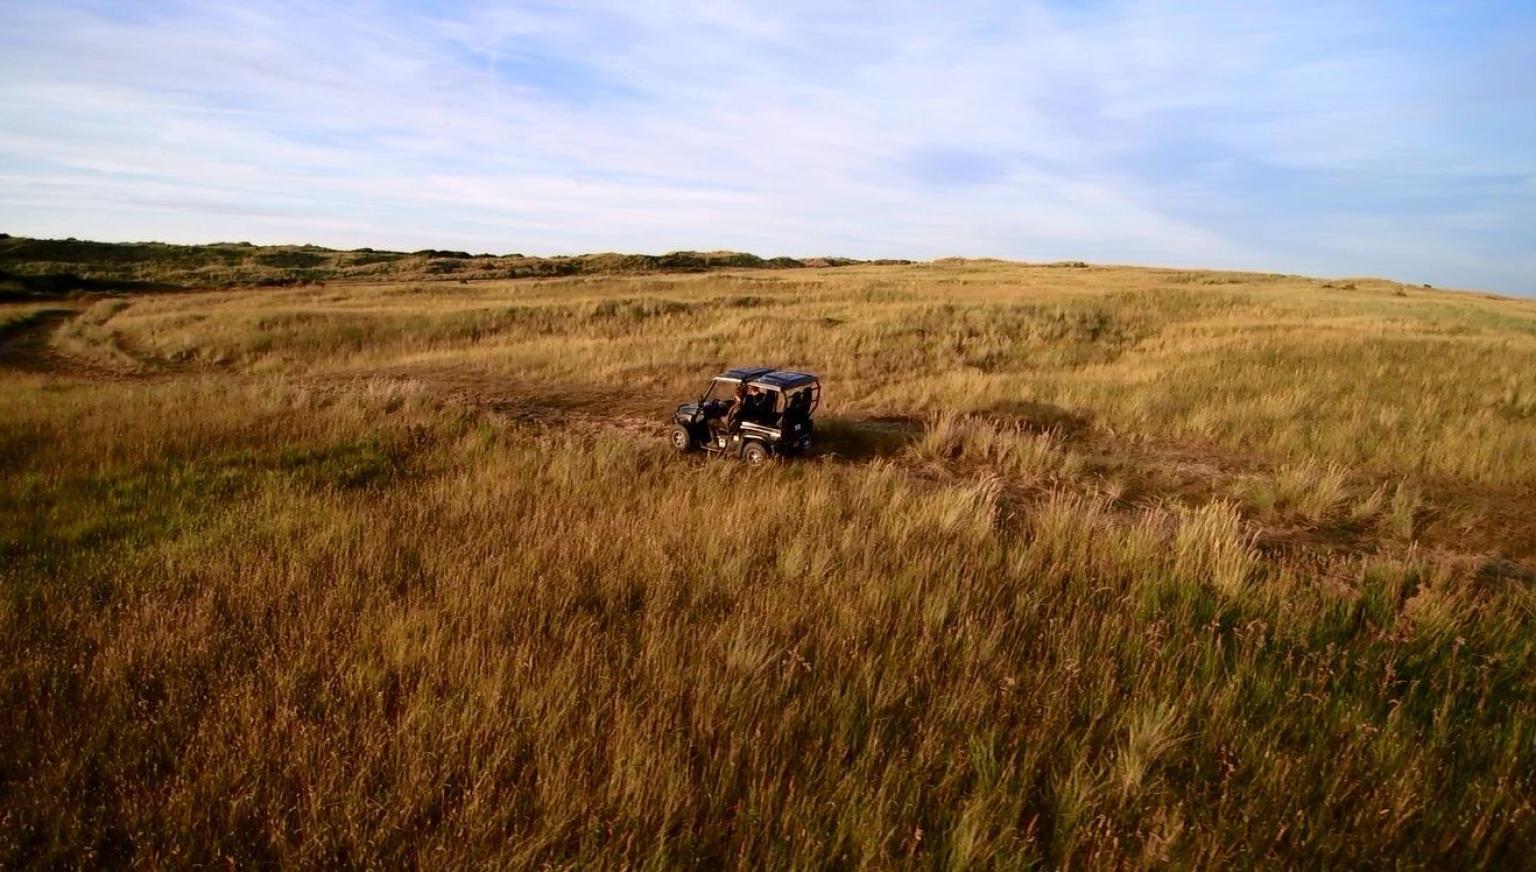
681	439
754	454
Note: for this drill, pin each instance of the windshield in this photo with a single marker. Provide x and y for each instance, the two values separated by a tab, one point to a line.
720	389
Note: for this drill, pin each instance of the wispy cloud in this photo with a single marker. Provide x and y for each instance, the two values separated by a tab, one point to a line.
1324	137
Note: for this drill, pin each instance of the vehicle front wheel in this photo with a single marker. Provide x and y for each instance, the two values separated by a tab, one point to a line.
754	454
681	439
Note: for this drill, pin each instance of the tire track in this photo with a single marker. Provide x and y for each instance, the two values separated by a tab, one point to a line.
26	344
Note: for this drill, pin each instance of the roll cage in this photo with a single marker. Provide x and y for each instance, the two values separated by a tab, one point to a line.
796	393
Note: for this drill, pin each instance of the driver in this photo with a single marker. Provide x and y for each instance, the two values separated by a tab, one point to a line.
730	419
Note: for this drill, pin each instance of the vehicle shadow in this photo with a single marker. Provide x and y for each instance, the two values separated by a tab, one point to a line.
856	439
1036	417
865	439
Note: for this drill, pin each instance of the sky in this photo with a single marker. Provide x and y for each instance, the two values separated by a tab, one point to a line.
1325	138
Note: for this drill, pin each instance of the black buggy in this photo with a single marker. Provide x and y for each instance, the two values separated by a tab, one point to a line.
774	420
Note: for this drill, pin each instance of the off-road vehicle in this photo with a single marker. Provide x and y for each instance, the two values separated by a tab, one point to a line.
773	422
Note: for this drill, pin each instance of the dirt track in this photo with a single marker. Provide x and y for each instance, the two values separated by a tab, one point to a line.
26	344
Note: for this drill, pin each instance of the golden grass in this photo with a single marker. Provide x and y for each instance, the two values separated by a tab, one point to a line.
1275	365
1106	566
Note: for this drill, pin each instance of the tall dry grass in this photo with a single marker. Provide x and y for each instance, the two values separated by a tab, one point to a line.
290	591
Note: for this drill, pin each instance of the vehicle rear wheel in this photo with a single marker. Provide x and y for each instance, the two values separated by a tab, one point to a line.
754	454
681	439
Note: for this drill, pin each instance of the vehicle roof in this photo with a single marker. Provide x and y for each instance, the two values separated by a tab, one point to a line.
744	373
786	379
778	379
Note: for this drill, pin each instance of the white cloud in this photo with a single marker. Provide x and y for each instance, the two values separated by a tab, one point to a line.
797	128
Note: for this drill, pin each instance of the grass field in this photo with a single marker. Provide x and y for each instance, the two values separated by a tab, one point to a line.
1095	566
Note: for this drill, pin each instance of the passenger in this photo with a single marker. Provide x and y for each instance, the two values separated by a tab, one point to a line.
799	406
758	405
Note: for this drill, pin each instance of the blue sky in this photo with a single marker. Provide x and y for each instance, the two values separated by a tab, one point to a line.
1327	138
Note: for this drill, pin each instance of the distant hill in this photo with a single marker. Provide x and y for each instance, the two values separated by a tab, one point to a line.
50	267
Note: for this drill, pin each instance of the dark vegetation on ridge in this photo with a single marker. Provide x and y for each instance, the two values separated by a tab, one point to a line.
33	268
